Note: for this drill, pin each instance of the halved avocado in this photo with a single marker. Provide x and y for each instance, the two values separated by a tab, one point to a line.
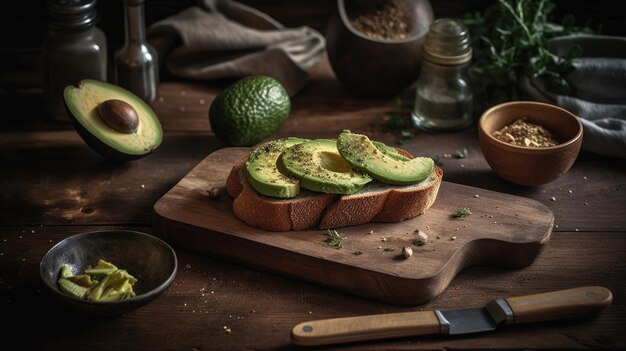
380	163
109	140
267	175
319	167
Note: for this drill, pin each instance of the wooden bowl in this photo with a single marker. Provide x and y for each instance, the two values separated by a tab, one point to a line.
527	165
376	67
147	258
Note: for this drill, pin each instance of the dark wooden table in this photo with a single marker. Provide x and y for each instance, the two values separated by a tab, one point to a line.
53	186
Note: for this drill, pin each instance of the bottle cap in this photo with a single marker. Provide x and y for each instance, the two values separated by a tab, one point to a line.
447	42
72	13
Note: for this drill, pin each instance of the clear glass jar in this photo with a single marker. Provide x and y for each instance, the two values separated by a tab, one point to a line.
444	96
136	63
73	49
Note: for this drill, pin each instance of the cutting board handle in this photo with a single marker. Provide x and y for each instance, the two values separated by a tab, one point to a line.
560	304
361	328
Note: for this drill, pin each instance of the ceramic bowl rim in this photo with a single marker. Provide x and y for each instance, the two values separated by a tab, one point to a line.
526	149
141	297
341	4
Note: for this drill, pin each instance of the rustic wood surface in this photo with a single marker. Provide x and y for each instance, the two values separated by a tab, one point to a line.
503	231
54	186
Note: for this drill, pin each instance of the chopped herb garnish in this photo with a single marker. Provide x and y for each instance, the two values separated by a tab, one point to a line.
460	153
389	249
405	135
357	253
398	121
462	212
419	242
334	239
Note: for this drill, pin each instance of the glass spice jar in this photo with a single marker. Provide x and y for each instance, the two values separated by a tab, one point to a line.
73	49
444	95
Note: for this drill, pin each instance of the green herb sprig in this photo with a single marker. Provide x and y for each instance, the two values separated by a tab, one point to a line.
462	212
398	122
460	153
334	239
419	242
509	39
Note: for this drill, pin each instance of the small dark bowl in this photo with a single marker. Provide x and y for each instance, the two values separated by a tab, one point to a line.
376	67
149	259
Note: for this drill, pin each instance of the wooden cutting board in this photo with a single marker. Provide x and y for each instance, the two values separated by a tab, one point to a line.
503	230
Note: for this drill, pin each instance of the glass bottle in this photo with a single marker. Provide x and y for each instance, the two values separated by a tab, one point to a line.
136	63
443	100
73	49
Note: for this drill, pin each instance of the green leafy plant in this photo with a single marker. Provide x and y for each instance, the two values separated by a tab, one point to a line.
509	39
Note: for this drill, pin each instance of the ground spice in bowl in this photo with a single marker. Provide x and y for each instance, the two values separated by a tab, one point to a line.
387	22
524	133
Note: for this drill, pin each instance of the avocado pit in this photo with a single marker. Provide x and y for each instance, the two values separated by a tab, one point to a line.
119	115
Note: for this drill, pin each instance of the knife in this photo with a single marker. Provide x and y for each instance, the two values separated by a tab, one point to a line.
511	310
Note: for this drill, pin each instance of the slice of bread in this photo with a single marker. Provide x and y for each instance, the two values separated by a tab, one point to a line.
377	202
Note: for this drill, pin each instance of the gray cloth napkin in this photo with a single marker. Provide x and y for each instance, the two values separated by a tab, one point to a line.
225	39
599	78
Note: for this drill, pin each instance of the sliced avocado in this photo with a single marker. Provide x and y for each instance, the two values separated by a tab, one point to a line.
320	167
66	271
101	270
390	151
118	284
98	290
83	280
103	264
70	288
121	292
102	114
266	175
359	151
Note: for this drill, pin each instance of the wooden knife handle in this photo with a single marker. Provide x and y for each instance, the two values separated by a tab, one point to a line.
350	329
559	304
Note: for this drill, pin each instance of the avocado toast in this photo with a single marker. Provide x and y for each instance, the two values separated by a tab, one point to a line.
330	184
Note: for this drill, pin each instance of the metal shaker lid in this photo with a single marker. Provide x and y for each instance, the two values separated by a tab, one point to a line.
72	13
447	42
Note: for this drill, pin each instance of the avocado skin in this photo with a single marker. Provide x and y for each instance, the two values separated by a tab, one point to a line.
249	110
98	145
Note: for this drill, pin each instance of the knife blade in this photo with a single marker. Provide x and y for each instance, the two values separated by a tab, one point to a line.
553	305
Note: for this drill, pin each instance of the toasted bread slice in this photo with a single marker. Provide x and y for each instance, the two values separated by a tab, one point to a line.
377	202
